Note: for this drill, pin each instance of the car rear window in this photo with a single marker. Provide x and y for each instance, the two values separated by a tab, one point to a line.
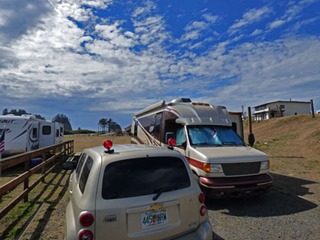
144	176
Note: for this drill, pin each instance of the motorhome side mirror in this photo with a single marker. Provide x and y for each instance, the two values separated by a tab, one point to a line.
168	136
251	139
69	165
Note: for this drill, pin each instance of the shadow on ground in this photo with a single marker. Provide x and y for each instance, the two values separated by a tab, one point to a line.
57	181
286	197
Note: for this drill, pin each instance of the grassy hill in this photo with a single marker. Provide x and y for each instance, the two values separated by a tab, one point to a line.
292	143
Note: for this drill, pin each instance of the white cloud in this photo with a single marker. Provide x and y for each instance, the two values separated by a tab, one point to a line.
293	12
276	24
249	17
267	71
121	68
256	32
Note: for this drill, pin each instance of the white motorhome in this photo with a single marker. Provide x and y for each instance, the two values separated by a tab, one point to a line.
25	133
205	134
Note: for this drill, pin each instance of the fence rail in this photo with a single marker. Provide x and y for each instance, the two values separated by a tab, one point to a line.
50	158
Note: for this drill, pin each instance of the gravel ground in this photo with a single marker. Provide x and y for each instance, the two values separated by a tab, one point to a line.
289	211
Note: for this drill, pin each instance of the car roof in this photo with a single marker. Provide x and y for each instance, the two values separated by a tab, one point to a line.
128	151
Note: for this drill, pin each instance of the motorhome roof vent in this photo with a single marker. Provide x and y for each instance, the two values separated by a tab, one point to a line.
181	100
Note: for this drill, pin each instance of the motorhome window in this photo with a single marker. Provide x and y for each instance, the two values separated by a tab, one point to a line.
144	176
85	174
155	126
34	133
180	136
57	133
135	128
214	135
46	130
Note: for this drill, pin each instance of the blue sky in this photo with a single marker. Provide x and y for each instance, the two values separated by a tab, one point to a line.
93	59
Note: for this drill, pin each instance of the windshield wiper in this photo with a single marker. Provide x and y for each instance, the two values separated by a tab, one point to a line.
231	144
159	191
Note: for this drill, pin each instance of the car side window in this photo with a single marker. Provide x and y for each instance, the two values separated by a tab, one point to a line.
80	164
85	174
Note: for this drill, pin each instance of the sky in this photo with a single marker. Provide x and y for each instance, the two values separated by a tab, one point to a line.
93	59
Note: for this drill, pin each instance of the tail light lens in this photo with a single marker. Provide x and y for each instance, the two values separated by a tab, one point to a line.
202	197
85	235
203	210
86	219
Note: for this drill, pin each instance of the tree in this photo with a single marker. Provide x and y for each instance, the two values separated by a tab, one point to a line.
110	124
61	118
103	122
20	112
5	111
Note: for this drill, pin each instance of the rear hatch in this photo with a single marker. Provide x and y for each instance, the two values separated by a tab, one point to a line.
146	198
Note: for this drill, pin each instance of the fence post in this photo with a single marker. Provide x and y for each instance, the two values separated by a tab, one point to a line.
43	158
26	181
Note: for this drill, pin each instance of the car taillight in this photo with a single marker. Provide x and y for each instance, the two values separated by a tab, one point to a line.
85	235
86	219
203	210
202	197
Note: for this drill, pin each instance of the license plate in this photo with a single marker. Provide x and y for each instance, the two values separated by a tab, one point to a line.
153	218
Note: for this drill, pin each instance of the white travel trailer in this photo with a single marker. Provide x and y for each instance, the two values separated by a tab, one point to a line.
25	133
205	134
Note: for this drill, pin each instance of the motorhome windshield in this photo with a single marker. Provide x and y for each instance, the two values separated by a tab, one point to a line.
213	135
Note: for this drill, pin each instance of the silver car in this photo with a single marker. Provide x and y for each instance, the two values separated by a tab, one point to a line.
134	192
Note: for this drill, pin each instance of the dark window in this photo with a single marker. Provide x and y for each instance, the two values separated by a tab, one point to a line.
144	176
85	174
234	126
80	164
135	129
34	133
46	130
57	133
155	126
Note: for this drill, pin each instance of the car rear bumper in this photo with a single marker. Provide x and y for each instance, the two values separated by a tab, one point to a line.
235	186
203	232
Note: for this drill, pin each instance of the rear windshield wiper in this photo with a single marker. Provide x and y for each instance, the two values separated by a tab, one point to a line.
161	190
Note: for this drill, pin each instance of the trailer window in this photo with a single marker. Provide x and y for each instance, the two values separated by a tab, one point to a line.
34	133
57	133
46	130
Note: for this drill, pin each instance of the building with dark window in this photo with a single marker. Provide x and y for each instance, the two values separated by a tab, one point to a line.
281	108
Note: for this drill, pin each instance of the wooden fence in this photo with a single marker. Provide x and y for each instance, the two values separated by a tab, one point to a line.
49	157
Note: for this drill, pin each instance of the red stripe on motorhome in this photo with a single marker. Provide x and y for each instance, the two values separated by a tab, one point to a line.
195	163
